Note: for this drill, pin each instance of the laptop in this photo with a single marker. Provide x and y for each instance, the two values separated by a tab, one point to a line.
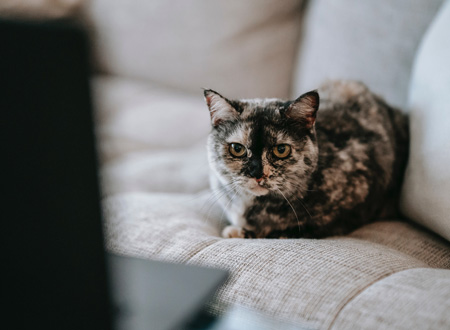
55	272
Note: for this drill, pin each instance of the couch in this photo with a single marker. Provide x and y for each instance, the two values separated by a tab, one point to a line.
153	58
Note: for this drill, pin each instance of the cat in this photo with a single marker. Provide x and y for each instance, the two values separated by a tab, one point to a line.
292	169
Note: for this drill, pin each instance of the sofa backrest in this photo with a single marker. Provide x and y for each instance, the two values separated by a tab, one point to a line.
371	41
239	48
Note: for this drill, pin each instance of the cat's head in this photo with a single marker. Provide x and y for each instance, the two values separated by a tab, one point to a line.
263	146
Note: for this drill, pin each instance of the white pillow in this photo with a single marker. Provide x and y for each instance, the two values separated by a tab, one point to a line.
426	190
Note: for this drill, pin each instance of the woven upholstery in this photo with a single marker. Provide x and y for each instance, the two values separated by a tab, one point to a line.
419	298
301	280
371	41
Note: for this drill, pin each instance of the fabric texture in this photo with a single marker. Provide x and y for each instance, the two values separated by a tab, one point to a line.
152	138
365	40
135	116
397	295
239	48
426	189
304	281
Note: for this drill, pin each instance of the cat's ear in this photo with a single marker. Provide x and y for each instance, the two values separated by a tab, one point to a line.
304	109
220	108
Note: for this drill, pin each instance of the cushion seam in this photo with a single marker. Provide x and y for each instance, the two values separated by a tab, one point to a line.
446	265
359	292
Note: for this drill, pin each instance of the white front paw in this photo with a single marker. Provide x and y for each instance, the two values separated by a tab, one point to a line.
233	232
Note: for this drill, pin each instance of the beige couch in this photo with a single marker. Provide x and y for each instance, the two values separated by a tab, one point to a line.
153	57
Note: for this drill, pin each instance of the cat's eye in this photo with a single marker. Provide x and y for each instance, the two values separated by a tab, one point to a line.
237	150
282	150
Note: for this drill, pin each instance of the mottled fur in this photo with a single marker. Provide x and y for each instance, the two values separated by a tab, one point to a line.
345	168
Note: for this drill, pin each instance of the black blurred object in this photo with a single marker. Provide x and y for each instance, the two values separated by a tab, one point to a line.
54	270
54	276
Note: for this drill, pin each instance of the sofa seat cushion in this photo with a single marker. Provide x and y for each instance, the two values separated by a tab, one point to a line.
411	299
305	281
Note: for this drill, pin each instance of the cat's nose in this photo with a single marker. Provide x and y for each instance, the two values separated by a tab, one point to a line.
259	180
256	169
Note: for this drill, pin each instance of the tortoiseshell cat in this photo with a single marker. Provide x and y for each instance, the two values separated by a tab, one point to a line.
286	169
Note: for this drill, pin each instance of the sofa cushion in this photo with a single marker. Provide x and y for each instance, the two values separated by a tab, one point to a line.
150	138
305	281
426	190
370	41
180	170
240	48
134	116
411	299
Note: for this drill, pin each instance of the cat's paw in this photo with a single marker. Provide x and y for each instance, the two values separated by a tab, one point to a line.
233	232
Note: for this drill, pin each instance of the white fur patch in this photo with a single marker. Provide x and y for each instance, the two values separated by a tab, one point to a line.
233	232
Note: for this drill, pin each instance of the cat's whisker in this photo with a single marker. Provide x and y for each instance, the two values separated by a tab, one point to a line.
214	199
301	187
198	195
231	199
293	210
298	198
235	186
304	206
213	196
217	195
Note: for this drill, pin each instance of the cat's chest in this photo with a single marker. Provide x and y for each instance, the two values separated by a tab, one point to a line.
242	203
268	213
236	208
